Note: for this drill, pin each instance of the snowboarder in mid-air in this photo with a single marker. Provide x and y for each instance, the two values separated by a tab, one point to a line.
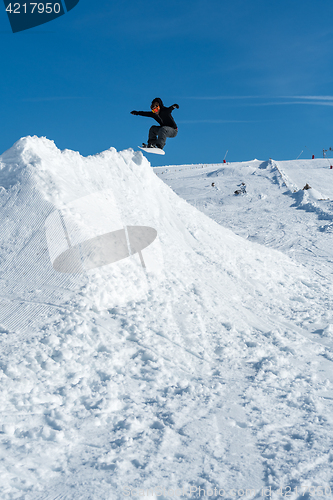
167	127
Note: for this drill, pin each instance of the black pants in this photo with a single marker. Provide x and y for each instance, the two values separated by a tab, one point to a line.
158	135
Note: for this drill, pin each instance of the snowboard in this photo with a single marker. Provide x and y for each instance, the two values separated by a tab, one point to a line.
156	151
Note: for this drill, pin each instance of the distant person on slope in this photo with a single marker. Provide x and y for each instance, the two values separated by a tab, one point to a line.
167	126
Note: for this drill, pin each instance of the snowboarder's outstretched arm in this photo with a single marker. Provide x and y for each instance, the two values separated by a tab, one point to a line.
150	114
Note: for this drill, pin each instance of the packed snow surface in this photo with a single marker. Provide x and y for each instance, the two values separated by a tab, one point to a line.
200	366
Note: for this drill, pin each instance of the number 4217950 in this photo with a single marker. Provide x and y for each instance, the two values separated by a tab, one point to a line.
31	8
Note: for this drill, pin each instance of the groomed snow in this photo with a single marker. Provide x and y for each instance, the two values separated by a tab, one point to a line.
207	373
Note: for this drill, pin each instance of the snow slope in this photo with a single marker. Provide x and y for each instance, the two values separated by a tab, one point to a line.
209	371
275	211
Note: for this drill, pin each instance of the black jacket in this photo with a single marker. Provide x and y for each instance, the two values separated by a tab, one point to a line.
164	117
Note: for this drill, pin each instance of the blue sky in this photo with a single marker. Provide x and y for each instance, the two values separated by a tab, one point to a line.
253	77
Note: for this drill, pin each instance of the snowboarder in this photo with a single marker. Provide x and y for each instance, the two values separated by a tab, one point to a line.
167	126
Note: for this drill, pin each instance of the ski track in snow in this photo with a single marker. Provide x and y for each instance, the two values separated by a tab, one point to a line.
214	372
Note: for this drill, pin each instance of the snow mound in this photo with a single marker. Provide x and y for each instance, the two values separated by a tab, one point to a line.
149	371
54	200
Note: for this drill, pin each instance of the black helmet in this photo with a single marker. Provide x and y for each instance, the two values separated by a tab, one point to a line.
157	100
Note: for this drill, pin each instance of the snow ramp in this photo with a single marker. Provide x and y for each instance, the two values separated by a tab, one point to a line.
143	346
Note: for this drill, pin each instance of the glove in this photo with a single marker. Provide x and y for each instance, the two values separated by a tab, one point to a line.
134	113
176	106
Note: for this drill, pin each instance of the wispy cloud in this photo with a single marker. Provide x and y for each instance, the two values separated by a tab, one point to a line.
310	97
292	103
315	100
